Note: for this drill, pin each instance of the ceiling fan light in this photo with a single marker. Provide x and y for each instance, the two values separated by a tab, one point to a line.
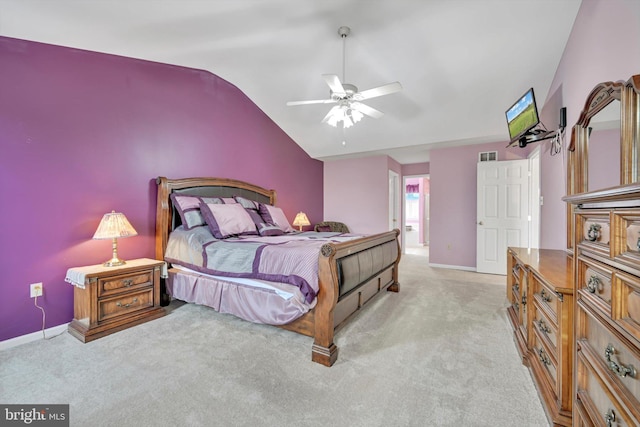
356	116
333	120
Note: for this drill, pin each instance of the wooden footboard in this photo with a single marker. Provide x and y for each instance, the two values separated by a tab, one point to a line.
351	274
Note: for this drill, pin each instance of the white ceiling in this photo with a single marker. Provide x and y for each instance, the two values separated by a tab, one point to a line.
462	63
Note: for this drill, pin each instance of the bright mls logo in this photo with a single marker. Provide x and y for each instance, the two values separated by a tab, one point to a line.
36	415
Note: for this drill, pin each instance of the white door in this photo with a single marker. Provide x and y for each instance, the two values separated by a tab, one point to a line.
394	200
502	213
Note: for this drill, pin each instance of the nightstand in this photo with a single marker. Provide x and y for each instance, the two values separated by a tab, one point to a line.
110	299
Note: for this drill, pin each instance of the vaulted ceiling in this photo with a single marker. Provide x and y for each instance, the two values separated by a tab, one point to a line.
461	63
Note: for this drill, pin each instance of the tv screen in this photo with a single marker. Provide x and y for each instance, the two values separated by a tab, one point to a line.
522	116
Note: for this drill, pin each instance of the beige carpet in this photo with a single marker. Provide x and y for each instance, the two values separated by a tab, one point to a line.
439	353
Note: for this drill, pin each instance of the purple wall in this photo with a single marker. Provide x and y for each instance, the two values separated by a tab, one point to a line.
83	133
356	192
452	239
604	45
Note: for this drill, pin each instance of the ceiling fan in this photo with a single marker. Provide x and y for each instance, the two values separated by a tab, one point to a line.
349	109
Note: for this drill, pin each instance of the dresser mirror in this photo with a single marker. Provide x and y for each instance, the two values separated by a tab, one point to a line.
605	142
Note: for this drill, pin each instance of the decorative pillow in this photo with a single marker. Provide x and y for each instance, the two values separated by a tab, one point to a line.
264	229
227	220
273	215
269	230
246	203
189	208
321	228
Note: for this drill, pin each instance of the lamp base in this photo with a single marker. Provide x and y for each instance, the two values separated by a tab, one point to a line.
114	262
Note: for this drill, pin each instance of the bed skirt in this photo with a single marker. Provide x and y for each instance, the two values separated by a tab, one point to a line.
255	304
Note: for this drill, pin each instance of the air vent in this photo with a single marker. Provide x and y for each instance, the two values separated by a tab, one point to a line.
488	156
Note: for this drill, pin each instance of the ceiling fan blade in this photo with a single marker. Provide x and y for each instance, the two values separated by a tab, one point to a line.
330	114
365	109
379	91
314	101
334	83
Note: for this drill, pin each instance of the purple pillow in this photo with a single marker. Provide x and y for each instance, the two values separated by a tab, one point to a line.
273	215
323	228
264	229
227	220
188	208
246	203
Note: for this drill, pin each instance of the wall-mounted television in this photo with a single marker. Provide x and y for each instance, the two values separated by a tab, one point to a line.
522	116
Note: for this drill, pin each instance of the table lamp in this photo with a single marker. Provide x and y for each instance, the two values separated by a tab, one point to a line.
112	226
301	220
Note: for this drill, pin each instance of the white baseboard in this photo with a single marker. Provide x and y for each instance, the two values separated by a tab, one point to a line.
35	336
453	267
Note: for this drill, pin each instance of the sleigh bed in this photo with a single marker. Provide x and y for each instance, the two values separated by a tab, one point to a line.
349	270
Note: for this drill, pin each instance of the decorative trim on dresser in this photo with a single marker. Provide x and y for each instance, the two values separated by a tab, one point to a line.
540	290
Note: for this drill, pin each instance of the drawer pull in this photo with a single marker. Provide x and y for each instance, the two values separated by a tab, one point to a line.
543	326
127	283
610	418
119	304
543	357
593	284
545	296
615	367
594	232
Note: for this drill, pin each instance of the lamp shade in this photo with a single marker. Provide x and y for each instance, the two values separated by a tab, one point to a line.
114	225
301	220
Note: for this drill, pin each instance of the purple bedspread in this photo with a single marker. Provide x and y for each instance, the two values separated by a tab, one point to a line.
292	258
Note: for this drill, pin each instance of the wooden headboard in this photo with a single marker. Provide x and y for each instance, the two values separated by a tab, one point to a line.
166	215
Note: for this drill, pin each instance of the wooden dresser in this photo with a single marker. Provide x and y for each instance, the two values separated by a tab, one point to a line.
540	291
604	235
607	225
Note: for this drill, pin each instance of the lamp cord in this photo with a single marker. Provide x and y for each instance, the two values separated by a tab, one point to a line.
44	315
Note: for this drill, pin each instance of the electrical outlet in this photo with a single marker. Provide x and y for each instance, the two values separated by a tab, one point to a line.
36	289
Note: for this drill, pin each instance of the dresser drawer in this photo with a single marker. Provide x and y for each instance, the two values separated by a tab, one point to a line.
125	304
627	314
125	282
547	299
596	232
612	357
595	402
546	329
594	282
548	362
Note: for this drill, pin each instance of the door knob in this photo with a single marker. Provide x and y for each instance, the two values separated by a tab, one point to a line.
480	223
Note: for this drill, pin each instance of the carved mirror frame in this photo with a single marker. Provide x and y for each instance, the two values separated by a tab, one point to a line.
628	93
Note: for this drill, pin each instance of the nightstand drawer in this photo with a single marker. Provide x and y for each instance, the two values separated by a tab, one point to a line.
117	284
124	304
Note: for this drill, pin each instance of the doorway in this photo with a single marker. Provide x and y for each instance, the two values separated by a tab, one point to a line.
416	215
